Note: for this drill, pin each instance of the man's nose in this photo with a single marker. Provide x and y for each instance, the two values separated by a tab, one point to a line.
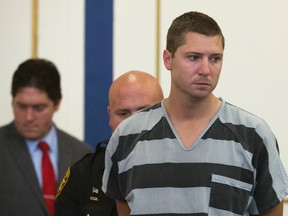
29	114
204	67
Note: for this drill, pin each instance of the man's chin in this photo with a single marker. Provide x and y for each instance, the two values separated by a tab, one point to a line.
31	135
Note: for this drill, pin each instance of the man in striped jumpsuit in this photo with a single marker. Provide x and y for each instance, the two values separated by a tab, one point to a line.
194	153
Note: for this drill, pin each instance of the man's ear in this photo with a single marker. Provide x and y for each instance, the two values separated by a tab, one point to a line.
57	105
167	58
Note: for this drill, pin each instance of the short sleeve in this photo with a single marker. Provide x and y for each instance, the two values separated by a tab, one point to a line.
271	179
110	179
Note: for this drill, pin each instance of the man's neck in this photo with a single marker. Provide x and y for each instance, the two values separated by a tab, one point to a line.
192	109
191	119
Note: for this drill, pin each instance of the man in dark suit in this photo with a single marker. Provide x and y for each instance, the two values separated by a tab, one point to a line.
36	96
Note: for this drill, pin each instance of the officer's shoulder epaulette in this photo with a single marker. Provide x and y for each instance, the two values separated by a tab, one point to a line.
101	145
85	159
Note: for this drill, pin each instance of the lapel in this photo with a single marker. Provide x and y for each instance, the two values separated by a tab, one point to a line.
19	152
64	156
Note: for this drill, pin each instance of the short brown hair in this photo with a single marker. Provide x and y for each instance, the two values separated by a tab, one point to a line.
191	22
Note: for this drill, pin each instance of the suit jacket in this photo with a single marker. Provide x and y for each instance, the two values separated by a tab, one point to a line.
20	192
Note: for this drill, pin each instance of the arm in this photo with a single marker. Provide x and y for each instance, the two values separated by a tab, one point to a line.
67	198
122	208
276	211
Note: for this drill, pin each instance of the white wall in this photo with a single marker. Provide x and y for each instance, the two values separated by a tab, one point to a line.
61	33
15	45
61	26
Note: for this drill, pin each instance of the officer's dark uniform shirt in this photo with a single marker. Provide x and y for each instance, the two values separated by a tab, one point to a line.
80	191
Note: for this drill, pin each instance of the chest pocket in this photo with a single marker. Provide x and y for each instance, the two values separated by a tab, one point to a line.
229	195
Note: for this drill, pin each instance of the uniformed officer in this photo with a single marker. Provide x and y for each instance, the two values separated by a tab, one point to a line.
80	191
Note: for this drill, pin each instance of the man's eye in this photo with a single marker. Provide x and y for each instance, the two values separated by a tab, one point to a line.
194	57
22	107
122	113
215	59
39	108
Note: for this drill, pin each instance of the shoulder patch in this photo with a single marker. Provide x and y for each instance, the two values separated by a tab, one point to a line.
64	181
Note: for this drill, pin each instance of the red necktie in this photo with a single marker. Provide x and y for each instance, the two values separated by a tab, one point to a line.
48	178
